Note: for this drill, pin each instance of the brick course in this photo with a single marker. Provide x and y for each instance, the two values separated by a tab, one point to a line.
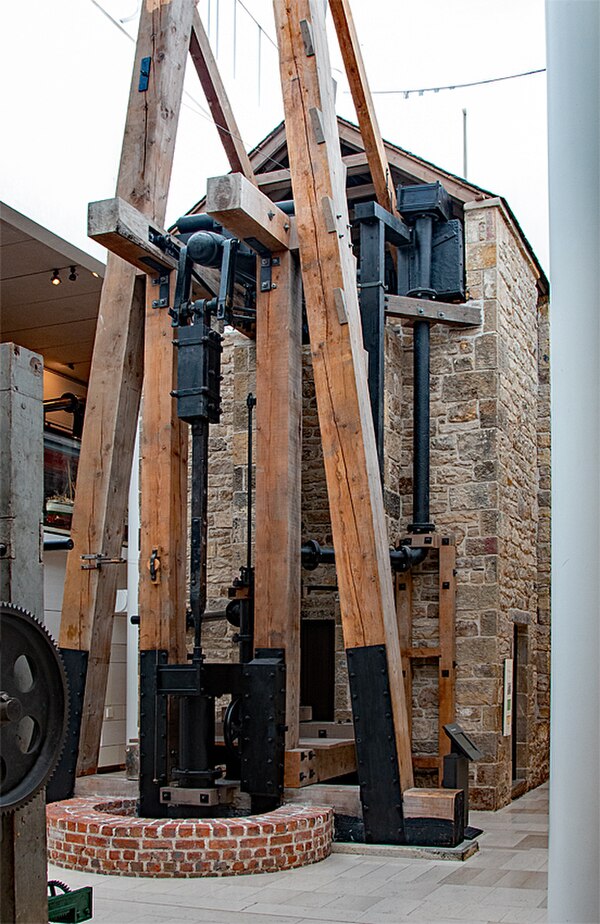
107	837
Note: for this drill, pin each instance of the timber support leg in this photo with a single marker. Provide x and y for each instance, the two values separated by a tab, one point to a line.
377	758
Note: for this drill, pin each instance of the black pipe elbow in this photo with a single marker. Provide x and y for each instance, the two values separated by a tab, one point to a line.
206	248
405	558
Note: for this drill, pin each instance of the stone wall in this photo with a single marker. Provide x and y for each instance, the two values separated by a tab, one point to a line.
489	488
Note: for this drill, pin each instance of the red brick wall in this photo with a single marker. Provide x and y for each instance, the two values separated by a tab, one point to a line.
105	837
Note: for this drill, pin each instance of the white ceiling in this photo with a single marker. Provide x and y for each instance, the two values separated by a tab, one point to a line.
58	322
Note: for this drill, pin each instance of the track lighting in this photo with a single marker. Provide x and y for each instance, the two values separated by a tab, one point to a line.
55	280
72	274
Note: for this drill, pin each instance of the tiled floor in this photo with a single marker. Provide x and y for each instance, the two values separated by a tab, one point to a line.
505	881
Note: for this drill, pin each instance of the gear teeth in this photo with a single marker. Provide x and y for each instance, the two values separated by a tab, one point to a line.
54	884
6	804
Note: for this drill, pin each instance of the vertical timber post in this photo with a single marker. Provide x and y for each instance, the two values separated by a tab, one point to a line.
116	377
278	474
23	892
347	432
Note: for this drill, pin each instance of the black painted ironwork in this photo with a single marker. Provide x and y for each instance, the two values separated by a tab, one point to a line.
62	782
263	724
33	706
377	757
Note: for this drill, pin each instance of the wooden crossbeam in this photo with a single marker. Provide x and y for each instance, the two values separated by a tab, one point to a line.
278	475
420	309
329	276
216	97
363	103
245	211
116	375
125	231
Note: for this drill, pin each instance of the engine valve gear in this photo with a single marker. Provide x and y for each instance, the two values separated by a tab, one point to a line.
33	706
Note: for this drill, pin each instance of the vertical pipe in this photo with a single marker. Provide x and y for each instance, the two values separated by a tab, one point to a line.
421	398
133	580
573	47
250	403
421	428
199	525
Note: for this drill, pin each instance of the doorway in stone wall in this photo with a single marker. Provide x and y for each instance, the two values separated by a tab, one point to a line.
519	711
317	667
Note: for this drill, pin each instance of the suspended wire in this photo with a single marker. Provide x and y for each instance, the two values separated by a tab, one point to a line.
255	20
197	107
455	86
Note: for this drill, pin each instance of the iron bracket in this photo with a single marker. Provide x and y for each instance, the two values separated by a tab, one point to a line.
163	293
96	560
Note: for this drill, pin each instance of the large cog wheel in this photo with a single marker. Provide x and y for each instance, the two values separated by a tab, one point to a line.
33	706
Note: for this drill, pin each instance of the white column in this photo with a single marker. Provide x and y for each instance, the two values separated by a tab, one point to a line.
133	578
573	44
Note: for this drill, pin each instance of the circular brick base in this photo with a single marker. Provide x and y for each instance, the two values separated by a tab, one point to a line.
106	837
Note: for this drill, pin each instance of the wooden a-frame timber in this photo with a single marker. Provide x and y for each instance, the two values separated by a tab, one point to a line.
167	30
340	373
339	360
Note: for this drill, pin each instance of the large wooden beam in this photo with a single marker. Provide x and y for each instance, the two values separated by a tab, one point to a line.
278	471
115	381
339	361
163	494
216	97
23	832
363	103
420	309
247	212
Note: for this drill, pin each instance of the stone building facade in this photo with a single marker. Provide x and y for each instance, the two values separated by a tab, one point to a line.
490	465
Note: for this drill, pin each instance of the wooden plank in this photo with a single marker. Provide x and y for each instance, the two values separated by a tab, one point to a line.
115	380
218	101
402	306
329	276
447	636
278	475
299	768
316	760
403	589
104	466
430	803
163	493
21	479
23	833
326	730
426	761
241	208
335	761
125	231
422	653
363	103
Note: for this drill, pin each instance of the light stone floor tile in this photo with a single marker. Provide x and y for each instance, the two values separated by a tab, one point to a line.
389	911
291	897
525	915
527	859
351	902
502	896
298	911
504	882
474	910
523	879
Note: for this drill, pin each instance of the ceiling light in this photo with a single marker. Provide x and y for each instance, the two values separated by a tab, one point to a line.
96	275
55	279
72	274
